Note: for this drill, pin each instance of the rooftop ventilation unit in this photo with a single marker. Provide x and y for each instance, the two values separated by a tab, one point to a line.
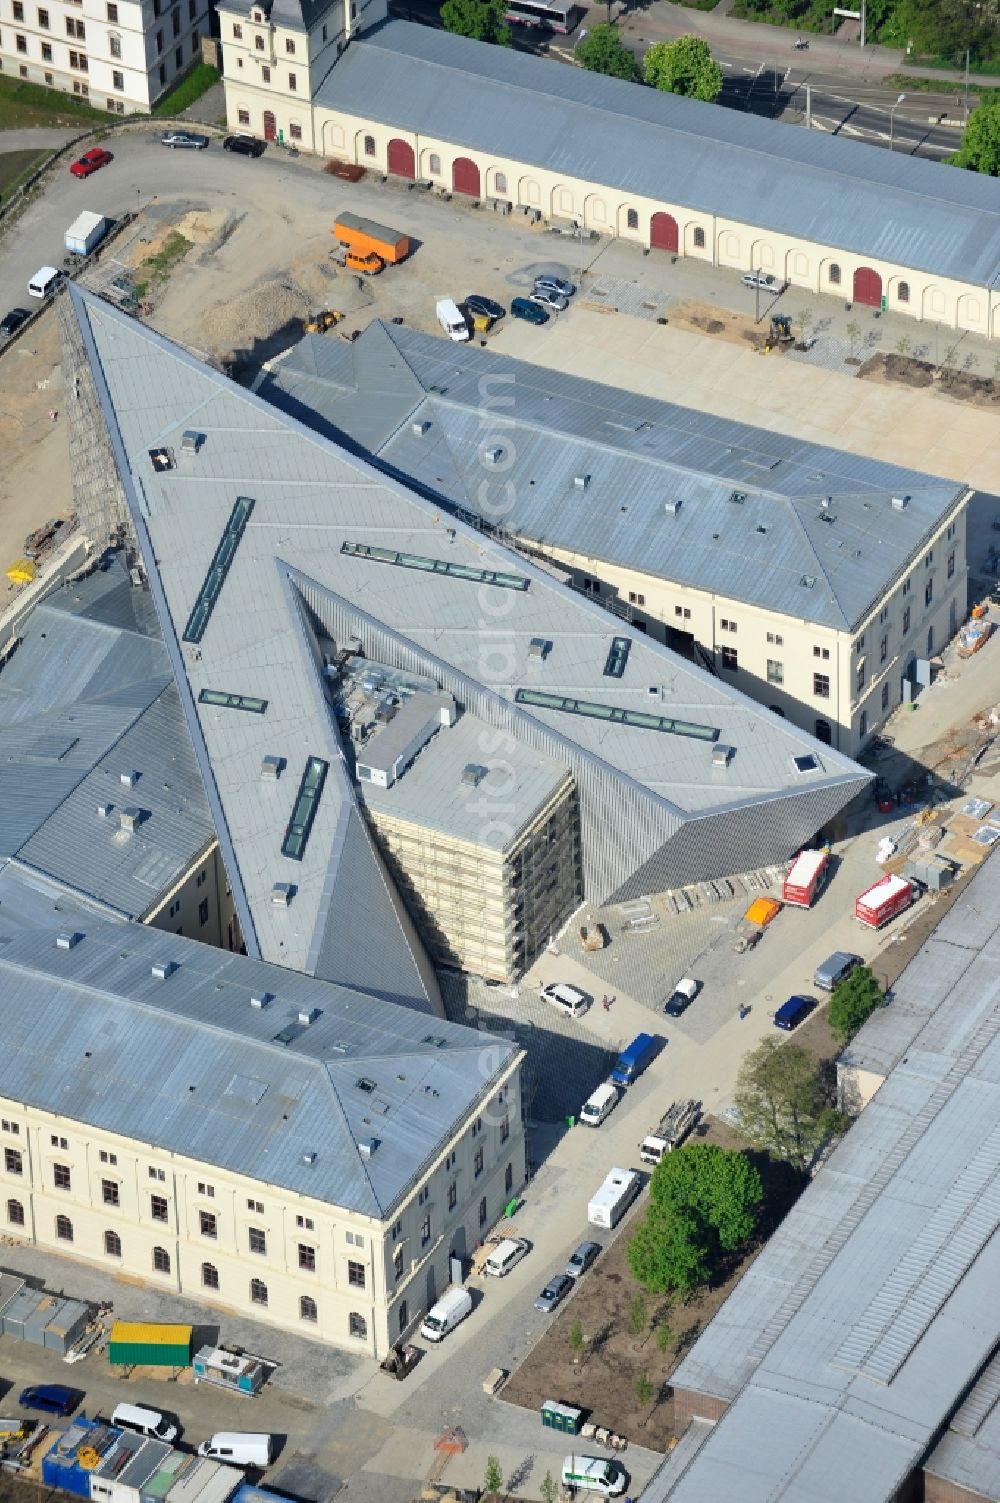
161	969
807	581
419	428
673	506
309	1157
538	647
67	941
494	456
473	773
260	1000
191	441
367	1146
308	1015
722	755
271	768
105	810
581	482
900	503
130	819
129	778
738	497
825	502
282	894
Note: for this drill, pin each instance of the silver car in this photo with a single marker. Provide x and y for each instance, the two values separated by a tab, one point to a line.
549	283
554	1293
551	300
581	1260
762	279
189	138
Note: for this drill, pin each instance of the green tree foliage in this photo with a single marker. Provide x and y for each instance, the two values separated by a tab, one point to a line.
683	67
784	1103
549	1488
576	1338
644	1389
603	51
857	997
493	1476
718	1185
941	28
482	20
670	1250
637	1316
980	148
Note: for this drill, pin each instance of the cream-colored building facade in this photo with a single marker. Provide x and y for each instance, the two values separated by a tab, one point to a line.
244	1244
200	904
312	111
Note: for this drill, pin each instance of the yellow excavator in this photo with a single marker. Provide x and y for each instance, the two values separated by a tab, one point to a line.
324	319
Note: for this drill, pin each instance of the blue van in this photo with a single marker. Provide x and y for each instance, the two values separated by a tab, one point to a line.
633	1060
791	1013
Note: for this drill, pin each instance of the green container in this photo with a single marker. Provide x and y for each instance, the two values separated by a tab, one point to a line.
145	1344
561	1417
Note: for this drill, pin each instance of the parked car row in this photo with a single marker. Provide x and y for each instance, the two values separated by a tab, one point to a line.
549	294
238	1448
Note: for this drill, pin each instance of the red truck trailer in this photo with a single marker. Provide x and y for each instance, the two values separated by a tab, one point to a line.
882	901
806	876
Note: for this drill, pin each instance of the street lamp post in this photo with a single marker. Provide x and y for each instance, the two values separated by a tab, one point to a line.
892	111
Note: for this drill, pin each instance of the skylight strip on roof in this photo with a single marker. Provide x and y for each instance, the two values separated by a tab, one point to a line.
637	718
435	566
304	811
218	569
618	653
224	701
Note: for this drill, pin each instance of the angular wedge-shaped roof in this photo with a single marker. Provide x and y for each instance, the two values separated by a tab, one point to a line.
269	548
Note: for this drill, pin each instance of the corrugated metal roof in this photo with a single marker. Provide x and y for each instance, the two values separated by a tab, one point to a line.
806	511
859	1330
808	184
162	1056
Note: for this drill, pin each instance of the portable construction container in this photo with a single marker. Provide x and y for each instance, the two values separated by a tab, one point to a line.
205	1481
86	232
19	1311
363	235
806	876
67	1324
762	911
883	900
240	1374
158	1485
84	1440
146	1344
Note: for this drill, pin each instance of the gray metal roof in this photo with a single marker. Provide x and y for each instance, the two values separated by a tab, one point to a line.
813	186
189	1065
872	1311
85	698
968	1455
807	511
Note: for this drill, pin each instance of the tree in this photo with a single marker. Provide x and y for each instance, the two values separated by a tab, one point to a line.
853	335
670	1250
644	1391
603	51
857	997
942	28
980	148
904	344
804	318
664	1338
493	1476
719	1185
637	1316
683	67
577	1340
784	1103
482	20
549	1488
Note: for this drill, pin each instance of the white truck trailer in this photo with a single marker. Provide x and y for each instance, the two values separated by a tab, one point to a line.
613	1199
86	233
670	1132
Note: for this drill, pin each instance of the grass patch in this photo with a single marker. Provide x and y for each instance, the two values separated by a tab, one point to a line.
934	85
23	104
986	65
699	4
190	88
16	167
157	268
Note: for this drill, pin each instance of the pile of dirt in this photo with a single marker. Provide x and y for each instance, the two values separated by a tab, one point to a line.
252	316
981	391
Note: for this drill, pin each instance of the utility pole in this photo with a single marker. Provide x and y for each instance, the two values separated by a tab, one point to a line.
809	107
864	18
966	85
892	113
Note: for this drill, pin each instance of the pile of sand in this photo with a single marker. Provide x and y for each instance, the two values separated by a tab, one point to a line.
254	315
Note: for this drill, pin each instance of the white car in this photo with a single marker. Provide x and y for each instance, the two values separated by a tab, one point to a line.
567	998
545	298
682	996
762	279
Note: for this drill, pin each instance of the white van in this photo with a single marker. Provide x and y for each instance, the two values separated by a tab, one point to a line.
569	999
453	1306
238	1448
144	1421
505	1256
451	320
591	1474
600	1104
44	282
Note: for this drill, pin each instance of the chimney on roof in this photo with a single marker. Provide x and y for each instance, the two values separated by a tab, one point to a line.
130	818
260	999
308	1015
130	777
161	969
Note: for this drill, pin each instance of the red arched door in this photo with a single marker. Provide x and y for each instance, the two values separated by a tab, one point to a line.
465	177
270	127
402	162
868	287
663	232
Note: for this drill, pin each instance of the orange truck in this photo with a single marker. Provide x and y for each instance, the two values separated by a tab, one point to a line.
370	246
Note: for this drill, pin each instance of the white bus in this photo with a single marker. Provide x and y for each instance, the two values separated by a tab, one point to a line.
552	16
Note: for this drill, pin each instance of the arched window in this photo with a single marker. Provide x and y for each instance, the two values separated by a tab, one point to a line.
500	183
112	1244
434	164
15	1213
307	1308
64	1228
369	146
161	1260
699	238
903	292
209	1276
357	1326
632	219
258	1291
833	275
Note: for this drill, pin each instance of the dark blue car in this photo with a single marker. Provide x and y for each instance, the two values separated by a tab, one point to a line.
523	307
52	1398
791	1013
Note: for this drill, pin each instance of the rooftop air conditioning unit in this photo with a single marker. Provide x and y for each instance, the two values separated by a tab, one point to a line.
538	647
271	768
673	506
105	810
66	941
419	428
899	503
581	482
191	441
722	755
161	969
494	456
129	778
309	1157
130	819
260	1000
308	1015
282	894
473	773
